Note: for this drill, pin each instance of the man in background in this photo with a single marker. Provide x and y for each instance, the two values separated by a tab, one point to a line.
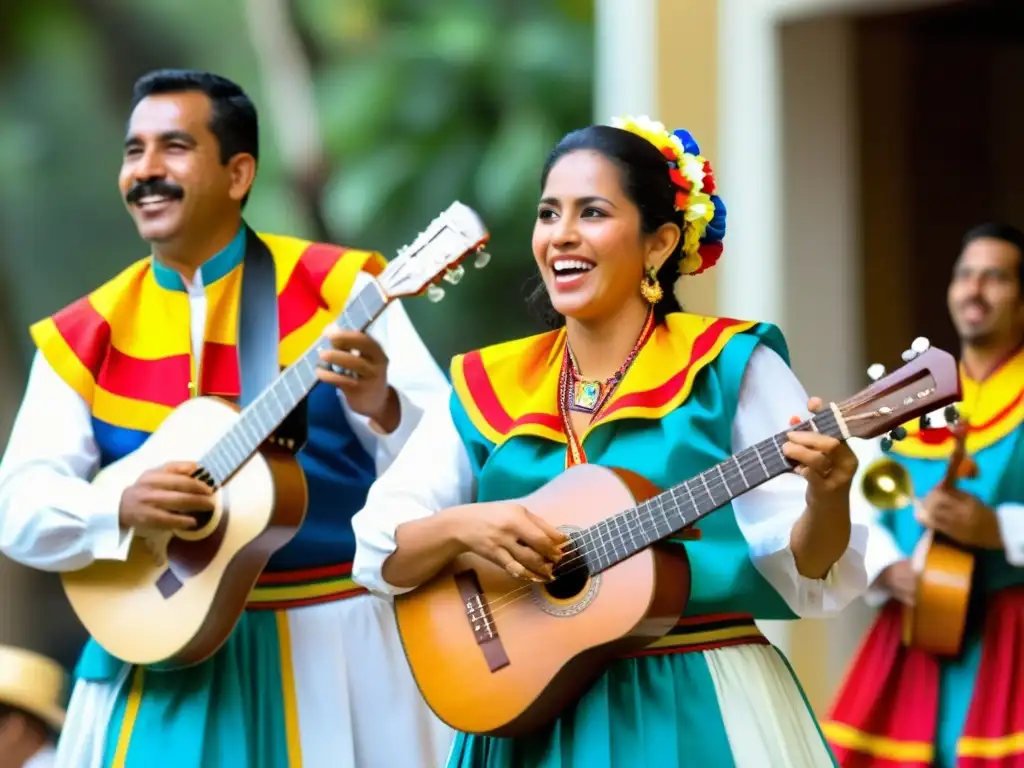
902	705
314	673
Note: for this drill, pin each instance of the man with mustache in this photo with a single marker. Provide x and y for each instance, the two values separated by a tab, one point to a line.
314	673
902	705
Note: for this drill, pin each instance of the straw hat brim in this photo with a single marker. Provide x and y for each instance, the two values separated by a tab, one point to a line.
48	712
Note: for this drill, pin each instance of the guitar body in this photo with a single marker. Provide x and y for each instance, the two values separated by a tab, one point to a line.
945	572
937	620
177	597
497	655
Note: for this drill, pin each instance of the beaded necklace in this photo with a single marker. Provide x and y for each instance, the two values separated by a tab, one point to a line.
590	395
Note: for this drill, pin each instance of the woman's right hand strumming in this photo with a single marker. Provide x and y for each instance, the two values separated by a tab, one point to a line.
503	532
510	536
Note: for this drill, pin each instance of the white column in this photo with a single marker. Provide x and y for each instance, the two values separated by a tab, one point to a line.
751	273
626	58
749	167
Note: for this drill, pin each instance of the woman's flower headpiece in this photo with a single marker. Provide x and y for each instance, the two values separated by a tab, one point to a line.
691	173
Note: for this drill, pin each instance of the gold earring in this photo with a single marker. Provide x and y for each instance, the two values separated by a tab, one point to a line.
650	288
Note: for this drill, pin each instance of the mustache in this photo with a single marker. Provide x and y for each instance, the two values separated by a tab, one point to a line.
979	303
160	187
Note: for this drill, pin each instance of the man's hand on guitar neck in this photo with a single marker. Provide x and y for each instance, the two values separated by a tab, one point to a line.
962	517
359	368
165	499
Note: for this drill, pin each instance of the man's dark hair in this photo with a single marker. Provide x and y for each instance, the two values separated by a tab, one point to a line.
233	122
998	230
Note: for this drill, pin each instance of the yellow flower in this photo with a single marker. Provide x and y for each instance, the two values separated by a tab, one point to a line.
690	263
692	167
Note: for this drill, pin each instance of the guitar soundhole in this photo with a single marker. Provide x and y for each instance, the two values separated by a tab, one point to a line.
569	585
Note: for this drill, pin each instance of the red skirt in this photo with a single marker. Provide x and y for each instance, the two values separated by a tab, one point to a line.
886	713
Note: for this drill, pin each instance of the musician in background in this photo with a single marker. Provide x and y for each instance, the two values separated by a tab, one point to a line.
908	706
313	674
33	691
624	212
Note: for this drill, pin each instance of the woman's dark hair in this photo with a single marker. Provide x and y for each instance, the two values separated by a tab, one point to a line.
645	181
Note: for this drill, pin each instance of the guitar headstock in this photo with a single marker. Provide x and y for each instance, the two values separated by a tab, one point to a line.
930	380
436	253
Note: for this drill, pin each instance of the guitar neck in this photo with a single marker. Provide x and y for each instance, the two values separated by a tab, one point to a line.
265	414
618	537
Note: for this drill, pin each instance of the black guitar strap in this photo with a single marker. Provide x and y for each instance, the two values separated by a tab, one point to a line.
258	338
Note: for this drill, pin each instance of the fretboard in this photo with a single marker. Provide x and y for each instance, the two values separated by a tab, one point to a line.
264	414
614	539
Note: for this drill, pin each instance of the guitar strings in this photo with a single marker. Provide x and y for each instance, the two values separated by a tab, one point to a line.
505	600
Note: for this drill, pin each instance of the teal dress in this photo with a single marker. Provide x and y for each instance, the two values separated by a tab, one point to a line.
671	420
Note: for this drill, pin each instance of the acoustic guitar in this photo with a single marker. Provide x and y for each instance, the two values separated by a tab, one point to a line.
936	622
944	569
177	597
495	655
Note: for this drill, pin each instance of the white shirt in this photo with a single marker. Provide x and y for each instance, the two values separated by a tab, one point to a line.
882	549
44	758
52	519
434	473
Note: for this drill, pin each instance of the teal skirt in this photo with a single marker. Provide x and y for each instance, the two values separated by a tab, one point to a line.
716	708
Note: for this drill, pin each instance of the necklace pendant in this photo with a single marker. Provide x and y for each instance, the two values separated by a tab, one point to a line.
585	396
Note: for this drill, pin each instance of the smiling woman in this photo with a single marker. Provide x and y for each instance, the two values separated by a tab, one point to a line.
628	380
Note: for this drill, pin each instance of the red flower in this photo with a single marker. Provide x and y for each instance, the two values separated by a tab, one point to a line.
709	253
670	154
709	179
680	181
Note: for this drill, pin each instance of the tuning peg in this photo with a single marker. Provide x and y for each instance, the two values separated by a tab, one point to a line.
886	444
455	274
898	434
435	293
920	344
908	355
483	258
925	422
876	371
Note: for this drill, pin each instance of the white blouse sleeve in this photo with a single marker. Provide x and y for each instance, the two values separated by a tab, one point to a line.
769	395
882	549
51	517
432	473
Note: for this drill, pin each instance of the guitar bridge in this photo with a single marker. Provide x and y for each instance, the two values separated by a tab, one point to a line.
481	621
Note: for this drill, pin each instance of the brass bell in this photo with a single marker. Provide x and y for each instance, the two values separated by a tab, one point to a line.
886	484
